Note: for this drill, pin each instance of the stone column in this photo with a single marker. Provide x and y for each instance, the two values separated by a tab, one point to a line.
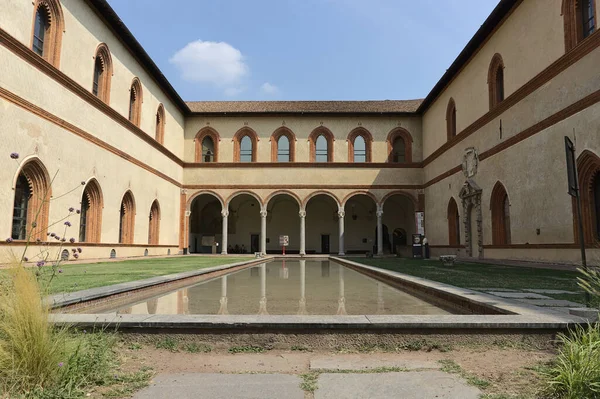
225	214
302	215
379	232
263	232
341	215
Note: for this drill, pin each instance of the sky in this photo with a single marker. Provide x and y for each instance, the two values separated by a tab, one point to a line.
303	49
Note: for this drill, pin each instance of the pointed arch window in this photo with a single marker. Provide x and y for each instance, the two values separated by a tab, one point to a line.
160	124
580	20
451	119
90	219
359	145
154	224
127	219
135	102
496	81
245	144
102	73
500	207
453	223
207	145
31	203
399	146
283	149
588	171
283	145
48	26
321	145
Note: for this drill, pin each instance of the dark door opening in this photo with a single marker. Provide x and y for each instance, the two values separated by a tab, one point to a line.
324	243
254	245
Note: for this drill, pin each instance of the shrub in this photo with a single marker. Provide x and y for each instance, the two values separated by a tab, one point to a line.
575	373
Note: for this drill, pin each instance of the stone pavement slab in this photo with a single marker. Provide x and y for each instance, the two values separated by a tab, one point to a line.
359	362
493	289
551	302
407	385
518	295
551	292
223	386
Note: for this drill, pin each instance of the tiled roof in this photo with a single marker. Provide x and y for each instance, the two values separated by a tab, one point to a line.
345	107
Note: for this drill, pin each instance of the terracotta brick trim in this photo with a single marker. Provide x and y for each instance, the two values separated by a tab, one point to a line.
401	193
136	98
453	224
92	194
282	192
359	193
535	246
103	60
367	136
127	218
500	221
573	24
283	131
405	135
154	224
53	35
237	142
298	187
319	193
200	136
333	165
160	124
38	207
312	140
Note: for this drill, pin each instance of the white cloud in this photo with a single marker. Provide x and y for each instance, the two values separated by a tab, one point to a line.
234	91
216	63
268	88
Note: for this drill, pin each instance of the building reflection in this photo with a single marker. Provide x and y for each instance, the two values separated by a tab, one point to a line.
341	311
302	303
262	305
223	301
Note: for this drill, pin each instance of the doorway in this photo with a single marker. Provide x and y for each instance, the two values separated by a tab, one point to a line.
254	243
324	243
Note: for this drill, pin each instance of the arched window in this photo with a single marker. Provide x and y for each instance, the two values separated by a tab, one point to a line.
453	223
154	224
321	145
207	145
127	219
496	80
160	124
451	119
399	146
90	220
588	169
500	207
283	145
48	26
32	202
579	21
135	102
244	145
359	145
102	73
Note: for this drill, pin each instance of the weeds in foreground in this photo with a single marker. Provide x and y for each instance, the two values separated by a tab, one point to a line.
169	343
309	382
450	366
246	349
196	348
576	371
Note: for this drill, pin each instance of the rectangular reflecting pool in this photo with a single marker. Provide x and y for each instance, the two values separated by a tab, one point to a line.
300	287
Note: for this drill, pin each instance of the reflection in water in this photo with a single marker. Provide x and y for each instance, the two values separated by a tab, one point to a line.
321	287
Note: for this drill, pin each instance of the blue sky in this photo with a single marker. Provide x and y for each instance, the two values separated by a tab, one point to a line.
303	49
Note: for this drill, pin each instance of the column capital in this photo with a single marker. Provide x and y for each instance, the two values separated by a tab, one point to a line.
224	213
264	213
379	213
302	214
341	214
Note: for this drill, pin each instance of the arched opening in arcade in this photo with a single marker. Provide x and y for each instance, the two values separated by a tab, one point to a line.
322	221
398	224
244	225
205	224
360	224
283	220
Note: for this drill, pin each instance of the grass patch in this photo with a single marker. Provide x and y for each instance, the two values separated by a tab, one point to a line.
410	345
477	275
450	366
300	348
309	382
76	277
168	343
246	349
196	348
134	346
125	385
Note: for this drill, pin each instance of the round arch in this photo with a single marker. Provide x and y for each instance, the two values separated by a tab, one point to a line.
283	131
499	201
200	136
237	140
317	193
238	193
400	132
282	192
360	131
312	139
204	192
360	192
399	192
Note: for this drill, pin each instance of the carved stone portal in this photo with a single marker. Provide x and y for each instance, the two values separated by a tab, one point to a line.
470	195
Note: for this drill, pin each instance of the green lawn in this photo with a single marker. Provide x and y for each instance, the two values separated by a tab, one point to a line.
76	277
473	275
